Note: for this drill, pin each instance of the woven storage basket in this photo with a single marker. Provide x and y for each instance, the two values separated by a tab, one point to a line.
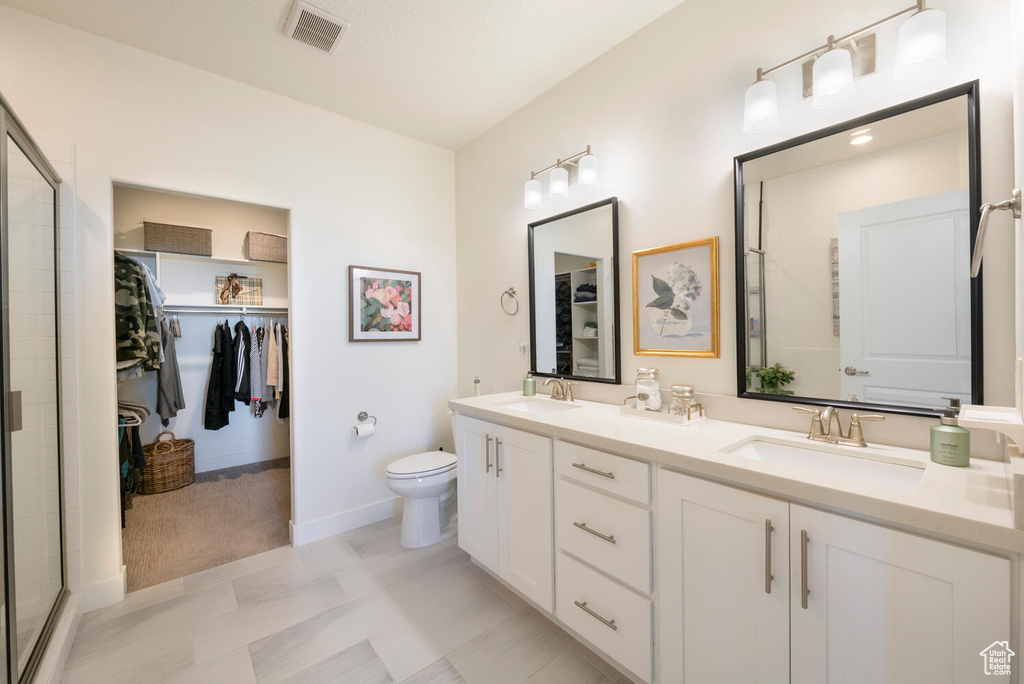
170	464
168	237
266	247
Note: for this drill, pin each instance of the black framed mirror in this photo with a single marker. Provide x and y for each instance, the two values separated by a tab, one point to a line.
853	251
574	294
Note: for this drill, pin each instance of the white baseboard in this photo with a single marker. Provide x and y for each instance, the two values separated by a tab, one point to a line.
51	670
304	533
238	458
105	593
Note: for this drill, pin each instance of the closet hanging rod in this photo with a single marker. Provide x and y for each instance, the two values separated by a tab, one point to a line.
226	309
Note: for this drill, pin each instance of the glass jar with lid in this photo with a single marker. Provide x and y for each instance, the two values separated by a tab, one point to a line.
682	398
648	389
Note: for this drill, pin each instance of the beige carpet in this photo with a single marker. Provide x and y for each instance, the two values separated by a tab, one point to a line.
225	515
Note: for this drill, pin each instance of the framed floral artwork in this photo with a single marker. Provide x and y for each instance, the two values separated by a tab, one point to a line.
384	305
675	300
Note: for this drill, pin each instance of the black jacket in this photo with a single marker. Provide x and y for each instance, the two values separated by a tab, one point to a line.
220	393
241	363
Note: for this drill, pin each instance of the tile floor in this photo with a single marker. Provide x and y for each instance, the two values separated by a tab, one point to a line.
356	608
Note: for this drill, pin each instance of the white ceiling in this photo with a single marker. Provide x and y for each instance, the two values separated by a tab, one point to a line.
441	71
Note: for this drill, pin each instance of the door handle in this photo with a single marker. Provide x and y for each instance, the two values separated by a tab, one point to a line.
14	412
850	370
487	455
804	590
768	577
497	457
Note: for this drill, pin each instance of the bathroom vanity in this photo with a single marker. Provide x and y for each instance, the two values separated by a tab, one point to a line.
724	552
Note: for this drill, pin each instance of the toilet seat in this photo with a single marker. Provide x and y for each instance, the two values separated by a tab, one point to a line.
421	465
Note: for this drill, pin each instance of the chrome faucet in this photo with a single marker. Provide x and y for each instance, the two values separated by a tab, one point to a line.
562	390
826	427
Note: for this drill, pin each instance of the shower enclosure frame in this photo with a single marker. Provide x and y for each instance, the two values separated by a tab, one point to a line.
11	129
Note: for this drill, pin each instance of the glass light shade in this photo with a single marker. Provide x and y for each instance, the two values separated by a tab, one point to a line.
921	46
760	107
534	194
832	78
558	183
588	170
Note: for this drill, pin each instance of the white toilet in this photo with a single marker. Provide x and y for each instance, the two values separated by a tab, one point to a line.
426	481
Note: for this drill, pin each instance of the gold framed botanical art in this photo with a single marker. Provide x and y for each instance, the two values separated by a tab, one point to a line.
675	300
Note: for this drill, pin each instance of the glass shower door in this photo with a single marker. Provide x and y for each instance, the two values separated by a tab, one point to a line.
34	587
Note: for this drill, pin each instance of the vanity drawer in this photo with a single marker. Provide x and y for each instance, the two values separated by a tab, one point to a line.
620	476
607	533
587	601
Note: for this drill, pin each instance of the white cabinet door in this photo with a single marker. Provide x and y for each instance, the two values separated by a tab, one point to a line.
525	546
877	605
722	616
477	489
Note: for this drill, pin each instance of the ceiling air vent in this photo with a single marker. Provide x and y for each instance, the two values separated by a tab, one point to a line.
313	26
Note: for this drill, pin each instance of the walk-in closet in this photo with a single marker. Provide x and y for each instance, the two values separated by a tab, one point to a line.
203	355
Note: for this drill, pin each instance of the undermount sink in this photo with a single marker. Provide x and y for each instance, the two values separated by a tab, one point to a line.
867	468
539	406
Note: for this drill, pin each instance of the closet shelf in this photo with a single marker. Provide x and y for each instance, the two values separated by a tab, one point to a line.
593	303
223	309
193	257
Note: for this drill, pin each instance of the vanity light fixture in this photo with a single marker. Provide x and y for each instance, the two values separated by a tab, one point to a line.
921	47
558	180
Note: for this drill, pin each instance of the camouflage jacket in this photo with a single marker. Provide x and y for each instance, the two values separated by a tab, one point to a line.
137	337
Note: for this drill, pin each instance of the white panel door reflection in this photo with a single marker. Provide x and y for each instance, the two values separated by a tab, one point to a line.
904	301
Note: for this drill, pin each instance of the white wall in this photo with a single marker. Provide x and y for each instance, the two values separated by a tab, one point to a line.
356	195
663	111
190	280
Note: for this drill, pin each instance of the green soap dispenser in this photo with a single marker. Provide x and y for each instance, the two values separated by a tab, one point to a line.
529	385
951	444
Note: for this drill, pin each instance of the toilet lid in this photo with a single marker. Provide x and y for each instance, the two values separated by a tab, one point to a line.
427	463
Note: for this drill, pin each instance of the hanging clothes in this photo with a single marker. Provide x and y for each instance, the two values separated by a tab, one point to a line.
266	335
169	396
220	392
279	334
241	359
283	410
255	366
273	363
138	342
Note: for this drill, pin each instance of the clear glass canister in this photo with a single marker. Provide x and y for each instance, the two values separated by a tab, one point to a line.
682	398
648	389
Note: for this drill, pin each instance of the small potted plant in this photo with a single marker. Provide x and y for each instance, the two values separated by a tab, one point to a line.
774	378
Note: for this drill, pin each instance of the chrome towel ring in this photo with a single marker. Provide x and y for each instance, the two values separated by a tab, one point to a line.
510	292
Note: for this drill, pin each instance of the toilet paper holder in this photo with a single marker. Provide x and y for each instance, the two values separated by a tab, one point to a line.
363	416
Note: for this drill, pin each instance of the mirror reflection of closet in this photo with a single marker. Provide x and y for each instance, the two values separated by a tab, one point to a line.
240	502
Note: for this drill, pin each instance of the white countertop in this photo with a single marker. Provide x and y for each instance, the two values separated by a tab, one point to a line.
970	505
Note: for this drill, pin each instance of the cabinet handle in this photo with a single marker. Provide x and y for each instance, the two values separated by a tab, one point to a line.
804	591
588	611
608	538
487	455
583	466
768	576
497	457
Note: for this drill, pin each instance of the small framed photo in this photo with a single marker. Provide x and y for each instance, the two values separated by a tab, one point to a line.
675	300
384	305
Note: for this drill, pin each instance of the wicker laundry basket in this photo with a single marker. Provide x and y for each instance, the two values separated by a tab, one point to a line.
266	247
169	237
170	464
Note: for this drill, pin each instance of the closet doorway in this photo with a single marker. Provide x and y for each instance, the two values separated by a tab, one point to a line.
204	384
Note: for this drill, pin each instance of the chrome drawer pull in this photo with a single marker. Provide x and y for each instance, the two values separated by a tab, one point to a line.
497	457
606	623
768	577
487	455
583	526
583	466
804	590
